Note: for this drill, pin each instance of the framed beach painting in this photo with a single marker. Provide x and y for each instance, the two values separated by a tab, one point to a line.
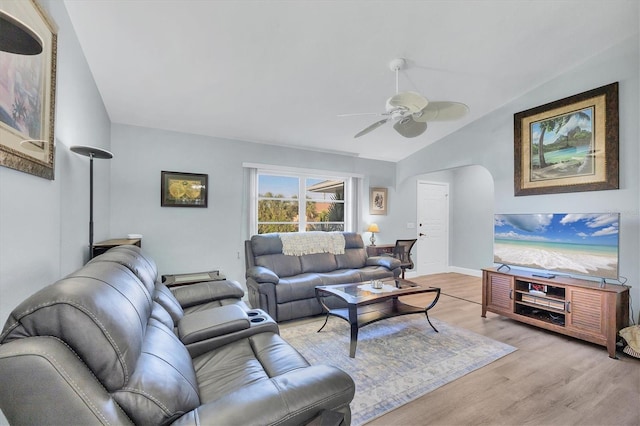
378	201
27	94
569	145
183	189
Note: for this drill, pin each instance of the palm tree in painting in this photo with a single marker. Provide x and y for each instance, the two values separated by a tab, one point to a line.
553	125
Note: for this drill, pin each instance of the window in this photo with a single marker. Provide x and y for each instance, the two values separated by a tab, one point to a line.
280	209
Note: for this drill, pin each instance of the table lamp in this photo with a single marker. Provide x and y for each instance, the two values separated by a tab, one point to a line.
373	228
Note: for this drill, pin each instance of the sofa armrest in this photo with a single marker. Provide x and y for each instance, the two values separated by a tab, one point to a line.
296	397
261	274
388	262
197	294
199	326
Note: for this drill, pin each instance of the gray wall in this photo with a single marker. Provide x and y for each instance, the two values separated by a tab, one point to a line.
198	239
44	224
488	142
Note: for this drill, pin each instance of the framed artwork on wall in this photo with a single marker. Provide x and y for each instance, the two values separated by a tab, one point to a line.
27	105
378	201
569	145
183	189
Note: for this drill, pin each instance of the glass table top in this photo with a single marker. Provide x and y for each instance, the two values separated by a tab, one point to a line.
357	292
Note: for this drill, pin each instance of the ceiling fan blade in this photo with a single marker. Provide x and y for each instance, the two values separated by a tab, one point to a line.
371	128
355	114
414	102
409	128
441	111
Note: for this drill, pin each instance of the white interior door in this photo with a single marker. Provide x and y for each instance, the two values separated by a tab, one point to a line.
433	227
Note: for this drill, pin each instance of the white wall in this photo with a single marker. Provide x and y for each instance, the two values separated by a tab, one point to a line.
198	239
44	224
488	142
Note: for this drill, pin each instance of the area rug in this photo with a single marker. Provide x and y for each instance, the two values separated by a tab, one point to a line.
397	360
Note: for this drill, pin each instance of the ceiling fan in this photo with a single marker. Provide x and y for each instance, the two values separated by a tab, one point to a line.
411	111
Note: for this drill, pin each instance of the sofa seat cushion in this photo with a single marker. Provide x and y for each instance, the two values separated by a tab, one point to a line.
242	363
301	286
216	304
373	273
341	276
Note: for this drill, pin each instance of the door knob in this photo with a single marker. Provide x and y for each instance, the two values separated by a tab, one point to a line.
422	235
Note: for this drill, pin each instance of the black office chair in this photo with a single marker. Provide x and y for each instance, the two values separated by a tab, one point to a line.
402	251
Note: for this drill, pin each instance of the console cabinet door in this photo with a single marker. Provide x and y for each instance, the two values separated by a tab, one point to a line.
586	311
499	293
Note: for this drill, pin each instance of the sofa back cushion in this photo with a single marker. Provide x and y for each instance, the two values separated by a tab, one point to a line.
318	262
133	258
282	265
165	298
163	384
353	258
352	240
267	252
100	312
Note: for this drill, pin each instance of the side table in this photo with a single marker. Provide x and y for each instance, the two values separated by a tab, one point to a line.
101	247
380	249
171	280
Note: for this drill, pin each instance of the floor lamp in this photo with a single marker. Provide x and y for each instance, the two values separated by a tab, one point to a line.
91	152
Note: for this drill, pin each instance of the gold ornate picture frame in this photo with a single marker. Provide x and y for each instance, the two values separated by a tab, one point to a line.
183	189
27	108
579	136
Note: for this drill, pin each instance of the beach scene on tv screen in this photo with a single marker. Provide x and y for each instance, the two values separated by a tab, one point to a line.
580	244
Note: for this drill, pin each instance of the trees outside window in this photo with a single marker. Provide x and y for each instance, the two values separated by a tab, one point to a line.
280	209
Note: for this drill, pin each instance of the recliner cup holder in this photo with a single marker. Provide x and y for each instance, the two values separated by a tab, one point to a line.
253	313
258	319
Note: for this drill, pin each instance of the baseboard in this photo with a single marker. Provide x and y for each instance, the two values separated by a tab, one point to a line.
466	271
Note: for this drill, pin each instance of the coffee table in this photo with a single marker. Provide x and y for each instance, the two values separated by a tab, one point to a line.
366	305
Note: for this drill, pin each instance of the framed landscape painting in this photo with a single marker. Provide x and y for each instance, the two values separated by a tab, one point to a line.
27	102
183	189
569	145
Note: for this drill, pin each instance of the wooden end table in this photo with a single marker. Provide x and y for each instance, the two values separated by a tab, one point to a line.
382	303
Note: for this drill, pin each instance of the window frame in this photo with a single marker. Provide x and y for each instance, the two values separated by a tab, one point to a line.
351	202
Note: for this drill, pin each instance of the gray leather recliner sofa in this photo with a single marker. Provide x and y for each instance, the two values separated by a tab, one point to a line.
108	344
284	285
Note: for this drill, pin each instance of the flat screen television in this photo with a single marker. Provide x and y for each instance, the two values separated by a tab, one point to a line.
570	243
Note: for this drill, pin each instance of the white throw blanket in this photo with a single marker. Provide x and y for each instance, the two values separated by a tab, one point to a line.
299	243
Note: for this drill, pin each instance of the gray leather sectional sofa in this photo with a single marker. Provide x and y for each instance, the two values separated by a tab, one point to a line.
284	285
109	344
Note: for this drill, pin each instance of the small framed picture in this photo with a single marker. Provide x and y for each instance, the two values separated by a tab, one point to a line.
183	189
378	201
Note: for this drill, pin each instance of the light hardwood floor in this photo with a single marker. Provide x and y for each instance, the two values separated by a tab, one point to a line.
550	380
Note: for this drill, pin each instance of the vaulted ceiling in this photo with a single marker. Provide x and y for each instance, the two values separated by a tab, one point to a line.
280	72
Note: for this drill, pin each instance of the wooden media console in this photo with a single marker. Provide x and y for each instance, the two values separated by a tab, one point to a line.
578	308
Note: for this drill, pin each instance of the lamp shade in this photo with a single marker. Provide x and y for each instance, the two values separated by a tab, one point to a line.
373	228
